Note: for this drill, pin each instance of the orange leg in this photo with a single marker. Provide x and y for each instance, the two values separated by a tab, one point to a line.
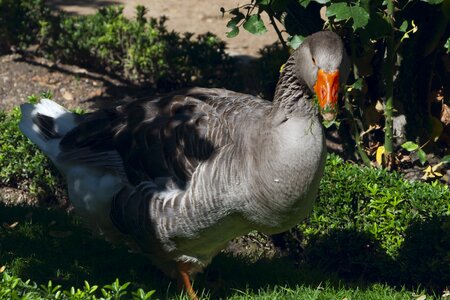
184	283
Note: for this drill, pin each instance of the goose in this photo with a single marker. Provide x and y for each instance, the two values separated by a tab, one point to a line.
177	176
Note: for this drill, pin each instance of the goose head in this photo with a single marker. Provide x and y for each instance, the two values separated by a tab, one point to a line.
324	67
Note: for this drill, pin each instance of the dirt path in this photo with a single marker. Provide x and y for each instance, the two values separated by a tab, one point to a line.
197	16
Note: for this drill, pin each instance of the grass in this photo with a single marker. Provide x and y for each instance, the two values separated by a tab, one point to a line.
48	244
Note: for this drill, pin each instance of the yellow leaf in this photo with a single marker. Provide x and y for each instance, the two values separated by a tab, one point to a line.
379	155
436	167
2	269
431	172
415	27
282	67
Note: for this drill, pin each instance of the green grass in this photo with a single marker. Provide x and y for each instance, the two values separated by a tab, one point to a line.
48	244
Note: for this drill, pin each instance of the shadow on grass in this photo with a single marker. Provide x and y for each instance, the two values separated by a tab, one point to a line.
422	262
48	244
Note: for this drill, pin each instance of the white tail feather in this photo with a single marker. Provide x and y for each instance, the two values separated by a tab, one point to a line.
63	122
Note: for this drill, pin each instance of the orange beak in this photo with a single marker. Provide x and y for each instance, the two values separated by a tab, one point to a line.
326	88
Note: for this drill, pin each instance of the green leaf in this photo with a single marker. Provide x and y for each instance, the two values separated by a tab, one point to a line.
338	10
404	26
410	146
234	32
446	159
447	45
295	41
341	11
360	17
255	25
321	1
233	23
304	3
235	20
422	156
263	2
358	84
378	27
433	1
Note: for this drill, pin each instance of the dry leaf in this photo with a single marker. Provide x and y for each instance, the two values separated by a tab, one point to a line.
67	95
10	226
371	128
421	297
323	13
379	106
2	269
445	114
431	172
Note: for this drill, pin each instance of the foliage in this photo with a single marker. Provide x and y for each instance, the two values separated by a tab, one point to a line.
19	22
22	164
397	48
141	51
375	215
14	288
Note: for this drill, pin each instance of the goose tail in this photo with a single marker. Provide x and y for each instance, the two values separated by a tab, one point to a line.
45	123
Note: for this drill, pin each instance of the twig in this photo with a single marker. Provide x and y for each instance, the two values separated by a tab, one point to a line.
280	37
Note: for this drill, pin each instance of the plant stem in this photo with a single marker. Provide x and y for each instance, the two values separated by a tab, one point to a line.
277	30
356	134
389	101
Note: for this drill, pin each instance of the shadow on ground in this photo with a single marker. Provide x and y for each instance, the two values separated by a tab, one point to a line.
48	244
422	261
95	4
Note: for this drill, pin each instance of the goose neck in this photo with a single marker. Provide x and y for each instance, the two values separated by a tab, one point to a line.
292	96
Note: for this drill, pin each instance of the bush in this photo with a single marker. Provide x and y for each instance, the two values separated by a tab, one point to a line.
22	164
141	51
19	22
368	219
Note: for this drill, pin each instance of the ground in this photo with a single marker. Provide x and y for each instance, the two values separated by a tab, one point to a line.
76	87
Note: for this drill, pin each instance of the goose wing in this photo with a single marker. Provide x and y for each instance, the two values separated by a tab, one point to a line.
163	137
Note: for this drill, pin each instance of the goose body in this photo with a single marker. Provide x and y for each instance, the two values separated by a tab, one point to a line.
179	175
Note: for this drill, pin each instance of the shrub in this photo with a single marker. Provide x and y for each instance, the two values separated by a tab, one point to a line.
368	218
19	22
141	51
22	164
